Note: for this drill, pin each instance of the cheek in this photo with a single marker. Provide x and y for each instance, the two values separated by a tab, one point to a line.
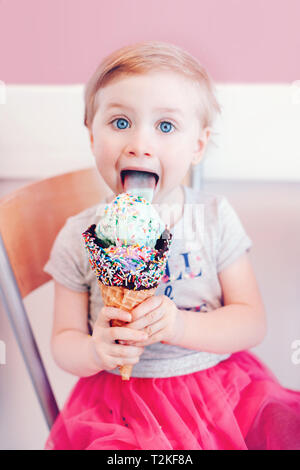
176	167
105	152
102	146
106	157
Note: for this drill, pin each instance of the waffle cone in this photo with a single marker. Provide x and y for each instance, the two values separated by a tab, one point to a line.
125	299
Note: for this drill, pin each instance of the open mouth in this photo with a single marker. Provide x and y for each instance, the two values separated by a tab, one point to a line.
132	178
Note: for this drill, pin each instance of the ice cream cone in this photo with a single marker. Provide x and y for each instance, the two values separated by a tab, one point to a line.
128	250
125	299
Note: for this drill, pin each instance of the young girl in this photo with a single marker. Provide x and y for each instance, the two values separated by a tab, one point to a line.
150	107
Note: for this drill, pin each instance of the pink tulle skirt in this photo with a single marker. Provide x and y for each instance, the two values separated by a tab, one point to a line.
238	404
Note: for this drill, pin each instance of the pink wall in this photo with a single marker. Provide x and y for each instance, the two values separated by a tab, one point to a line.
62	41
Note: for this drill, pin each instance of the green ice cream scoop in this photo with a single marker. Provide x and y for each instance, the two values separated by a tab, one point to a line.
129	220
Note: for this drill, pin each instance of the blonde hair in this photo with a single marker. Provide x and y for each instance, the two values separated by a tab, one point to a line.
147	56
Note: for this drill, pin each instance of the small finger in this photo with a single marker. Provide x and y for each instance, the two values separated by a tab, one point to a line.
112	313
147	320
147	306
154	328
157	336
154	338
122	333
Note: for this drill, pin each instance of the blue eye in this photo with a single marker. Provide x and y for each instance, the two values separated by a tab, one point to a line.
165	126
121	123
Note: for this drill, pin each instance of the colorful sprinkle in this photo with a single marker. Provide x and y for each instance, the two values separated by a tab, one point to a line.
135	267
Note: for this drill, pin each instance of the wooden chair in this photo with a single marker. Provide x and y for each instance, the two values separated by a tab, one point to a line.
30	219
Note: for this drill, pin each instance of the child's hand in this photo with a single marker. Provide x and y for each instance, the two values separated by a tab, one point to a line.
159	317
109	354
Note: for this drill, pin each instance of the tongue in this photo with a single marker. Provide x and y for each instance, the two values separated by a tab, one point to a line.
140	183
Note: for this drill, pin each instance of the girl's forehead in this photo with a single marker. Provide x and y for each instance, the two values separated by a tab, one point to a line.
164	87
151	78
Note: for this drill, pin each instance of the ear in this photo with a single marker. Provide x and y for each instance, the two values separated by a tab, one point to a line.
201	145
91	139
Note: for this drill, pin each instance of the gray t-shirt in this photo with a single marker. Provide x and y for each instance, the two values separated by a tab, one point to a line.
208	238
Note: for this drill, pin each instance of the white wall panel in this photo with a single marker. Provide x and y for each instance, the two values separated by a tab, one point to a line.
256	137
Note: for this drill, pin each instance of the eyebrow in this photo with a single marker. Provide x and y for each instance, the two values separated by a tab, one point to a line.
168	110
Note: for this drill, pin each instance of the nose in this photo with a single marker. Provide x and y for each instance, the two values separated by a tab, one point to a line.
139	146
136	154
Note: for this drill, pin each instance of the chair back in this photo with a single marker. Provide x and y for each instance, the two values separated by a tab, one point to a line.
30	219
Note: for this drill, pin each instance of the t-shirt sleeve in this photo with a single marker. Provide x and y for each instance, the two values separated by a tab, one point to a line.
233	240
66	262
